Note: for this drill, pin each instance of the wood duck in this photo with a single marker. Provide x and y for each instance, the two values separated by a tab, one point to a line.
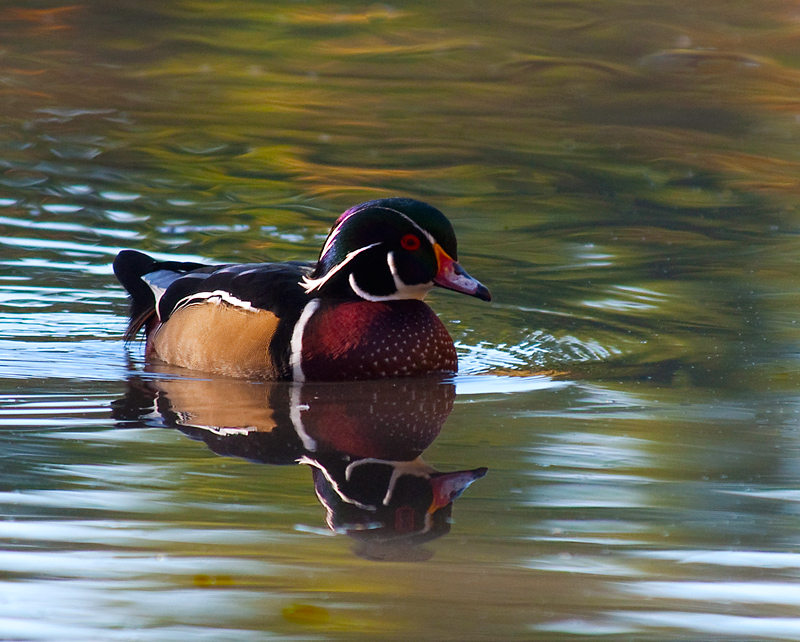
356	314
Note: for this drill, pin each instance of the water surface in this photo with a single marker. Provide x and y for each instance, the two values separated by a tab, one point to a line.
617	458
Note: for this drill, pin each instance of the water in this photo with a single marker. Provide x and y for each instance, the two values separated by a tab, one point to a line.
621	444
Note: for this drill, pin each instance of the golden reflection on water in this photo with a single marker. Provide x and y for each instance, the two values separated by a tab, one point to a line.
363	443
660	141
626	173
367	86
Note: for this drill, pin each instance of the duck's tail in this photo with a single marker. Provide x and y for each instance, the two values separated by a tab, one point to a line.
132	269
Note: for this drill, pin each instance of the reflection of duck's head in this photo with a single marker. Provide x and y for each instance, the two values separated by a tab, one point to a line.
363	441
390	507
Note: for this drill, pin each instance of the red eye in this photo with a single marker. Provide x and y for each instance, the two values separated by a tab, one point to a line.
410	242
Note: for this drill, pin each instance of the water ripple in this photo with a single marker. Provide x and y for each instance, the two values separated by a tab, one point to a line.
730	626
60	226
77	360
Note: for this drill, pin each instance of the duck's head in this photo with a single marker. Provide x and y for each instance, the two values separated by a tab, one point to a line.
392	248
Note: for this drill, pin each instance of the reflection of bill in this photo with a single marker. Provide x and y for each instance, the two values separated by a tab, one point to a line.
363	441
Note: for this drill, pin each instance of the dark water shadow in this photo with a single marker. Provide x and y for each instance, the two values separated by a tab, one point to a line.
362	440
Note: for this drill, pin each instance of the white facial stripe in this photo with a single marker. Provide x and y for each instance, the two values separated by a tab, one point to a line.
304	459
334	484
424	232
314	284
415	467
335	232
366	295
329	241
407	291
296	345
398	282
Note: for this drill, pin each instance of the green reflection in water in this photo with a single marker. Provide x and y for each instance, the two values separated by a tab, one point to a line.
623	175
619	172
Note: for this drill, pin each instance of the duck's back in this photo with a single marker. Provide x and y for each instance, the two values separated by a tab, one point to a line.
234	320
257	321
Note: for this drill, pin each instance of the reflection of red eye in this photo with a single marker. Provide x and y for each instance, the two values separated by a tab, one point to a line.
410	242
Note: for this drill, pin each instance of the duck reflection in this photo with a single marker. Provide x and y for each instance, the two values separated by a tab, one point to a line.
363	441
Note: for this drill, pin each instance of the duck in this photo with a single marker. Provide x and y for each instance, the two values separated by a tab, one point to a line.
358	313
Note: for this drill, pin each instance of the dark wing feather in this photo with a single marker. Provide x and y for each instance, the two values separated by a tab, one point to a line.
274	287
129	267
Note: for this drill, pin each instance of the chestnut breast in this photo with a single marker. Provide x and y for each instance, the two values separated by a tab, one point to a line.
368	340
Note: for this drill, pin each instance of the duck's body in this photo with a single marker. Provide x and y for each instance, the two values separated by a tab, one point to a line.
357	314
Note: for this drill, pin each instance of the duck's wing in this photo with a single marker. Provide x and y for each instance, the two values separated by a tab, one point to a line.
133	270
161	288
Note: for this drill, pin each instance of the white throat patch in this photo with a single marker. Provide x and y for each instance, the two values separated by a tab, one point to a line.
402	290
310	284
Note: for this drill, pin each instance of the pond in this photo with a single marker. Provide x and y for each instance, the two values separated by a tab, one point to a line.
619	455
